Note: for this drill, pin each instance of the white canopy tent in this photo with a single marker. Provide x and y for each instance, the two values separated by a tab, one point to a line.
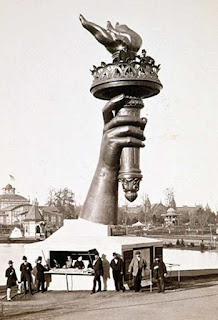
16	233
81	235
137	224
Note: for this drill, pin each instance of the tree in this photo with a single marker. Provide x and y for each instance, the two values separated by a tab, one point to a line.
211	215
202	218
185	217
134	220
64	200
193	217
154	219
122	216
169	197
146	209
212	218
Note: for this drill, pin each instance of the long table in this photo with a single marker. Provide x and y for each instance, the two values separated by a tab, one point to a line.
69	272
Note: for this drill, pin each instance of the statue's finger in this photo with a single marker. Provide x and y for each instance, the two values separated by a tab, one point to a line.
125	120
144	122
113	104
129	142
126	131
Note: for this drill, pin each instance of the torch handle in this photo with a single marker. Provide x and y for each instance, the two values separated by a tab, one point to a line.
130	173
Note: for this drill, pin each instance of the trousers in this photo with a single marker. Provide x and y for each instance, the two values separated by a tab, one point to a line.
137	281
97	278
160	284
118	280
28	281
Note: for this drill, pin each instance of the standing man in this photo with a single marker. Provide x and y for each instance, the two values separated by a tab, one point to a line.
40	276
98	272
26	275
106	270
137	265
12	279
117	270
159	272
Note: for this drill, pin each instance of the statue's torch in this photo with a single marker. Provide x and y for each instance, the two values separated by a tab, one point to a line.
132	75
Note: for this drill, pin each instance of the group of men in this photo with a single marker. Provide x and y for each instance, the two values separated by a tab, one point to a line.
26	276
101	267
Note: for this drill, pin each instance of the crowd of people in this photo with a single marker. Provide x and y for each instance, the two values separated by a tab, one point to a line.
34	279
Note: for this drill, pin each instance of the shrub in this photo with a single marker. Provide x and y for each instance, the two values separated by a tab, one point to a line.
177	242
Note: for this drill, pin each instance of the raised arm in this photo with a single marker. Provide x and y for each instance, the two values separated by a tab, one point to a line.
102	200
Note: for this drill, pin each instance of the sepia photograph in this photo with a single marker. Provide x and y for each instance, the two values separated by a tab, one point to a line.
108	166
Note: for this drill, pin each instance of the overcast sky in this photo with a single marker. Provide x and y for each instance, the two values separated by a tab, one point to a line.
51	125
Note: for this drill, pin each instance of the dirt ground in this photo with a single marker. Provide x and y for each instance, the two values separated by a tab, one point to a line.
194	299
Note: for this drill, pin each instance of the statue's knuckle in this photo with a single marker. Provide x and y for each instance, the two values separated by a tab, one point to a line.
127	129
129	140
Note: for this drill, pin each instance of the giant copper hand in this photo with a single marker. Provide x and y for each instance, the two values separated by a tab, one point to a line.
119	132
134	76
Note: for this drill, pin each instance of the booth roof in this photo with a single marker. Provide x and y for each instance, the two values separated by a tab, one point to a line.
84	235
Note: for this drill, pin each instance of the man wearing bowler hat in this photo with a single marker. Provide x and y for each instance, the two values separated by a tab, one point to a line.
159	273
137	265
117	266
26	276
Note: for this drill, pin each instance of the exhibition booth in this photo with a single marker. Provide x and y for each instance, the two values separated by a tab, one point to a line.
81	238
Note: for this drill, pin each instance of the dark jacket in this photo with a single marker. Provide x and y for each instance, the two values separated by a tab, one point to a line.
12	277
79	265
26	271
40	272
98	268
117	266
159	269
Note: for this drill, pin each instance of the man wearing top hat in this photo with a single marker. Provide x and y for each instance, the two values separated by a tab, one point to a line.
40	275
26	276
98	272
136	267
12	279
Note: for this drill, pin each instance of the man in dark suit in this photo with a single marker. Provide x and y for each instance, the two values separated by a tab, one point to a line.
117	270
26	276
159	272
11	276
40	276
98	272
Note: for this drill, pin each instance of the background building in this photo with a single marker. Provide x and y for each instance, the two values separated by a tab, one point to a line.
17	210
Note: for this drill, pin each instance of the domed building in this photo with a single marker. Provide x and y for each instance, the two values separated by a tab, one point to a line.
12	206
14	210
9	197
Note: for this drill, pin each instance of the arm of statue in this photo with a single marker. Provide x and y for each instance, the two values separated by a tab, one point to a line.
101	204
